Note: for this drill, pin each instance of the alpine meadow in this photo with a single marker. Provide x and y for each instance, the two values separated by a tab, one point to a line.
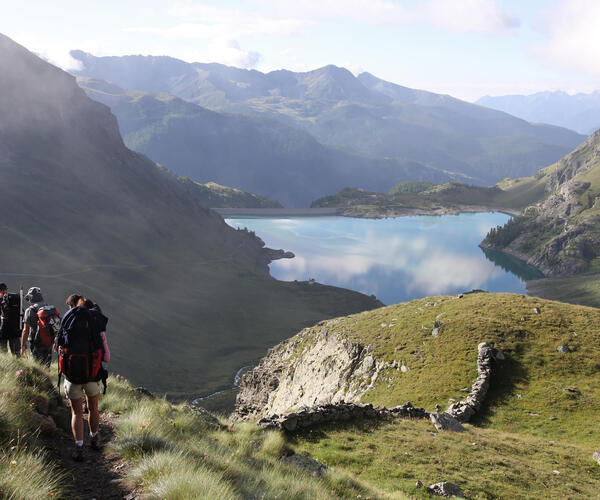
280	250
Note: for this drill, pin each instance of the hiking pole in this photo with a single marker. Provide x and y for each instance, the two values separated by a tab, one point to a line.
21	312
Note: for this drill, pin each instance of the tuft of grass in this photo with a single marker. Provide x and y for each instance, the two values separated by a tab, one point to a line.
180	452
28	474
25	471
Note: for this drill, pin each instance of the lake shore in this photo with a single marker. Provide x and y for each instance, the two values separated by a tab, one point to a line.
361	212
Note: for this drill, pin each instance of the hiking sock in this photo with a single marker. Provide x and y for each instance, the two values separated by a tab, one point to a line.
79	444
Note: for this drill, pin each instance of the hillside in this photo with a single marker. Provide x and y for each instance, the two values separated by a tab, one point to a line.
415	198
536	417
578	112
560	234
362	114
260	155
189	298
214	195
152	449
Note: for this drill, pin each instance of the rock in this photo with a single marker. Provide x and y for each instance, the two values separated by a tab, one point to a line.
572	390
419	484
460	296
445	422
41	404
563	348
290	424
306	464
499	355
145	392
536	310
446	489
596	457
437	326
45	423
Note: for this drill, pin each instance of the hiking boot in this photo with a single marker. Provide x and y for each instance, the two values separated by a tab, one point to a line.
95	442
78	454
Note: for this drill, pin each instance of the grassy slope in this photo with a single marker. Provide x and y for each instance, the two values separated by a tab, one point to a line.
440	368
172	451
529	425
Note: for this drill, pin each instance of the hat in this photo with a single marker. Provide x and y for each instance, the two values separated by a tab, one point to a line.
34	294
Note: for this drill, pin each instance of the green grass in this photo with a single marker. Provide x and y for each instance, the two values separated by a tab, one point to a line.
526	393
485	463
25	471
176	451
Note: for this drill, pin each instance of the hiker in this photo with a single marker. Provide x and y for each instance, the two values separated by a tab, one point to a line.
40	325
81	352
10	328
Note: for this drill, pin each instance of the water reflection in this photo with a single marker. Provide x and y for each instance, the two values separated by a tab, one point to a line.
395	259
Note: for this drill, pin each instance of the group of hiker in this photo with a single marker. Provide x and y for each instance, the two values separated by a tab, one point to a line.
78	338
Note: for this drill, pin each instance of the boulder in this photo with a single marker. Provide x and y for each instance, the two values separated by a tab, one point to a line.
45	423
446	489
563	348
445	422
596	457
306	464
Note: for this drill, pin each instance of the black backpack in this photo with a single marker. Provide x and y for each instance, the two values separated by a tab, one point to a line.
81	349
11	316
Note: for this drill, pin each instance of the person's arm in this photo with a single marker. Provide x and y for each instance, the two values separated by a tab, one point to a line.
24	337
106	358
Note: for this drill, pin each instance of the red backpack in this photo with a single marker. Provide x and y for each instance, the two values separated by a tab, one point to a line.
48	325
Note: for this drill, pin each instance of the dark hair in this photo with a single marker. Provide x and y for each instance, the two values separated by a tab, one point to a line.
3	287
73	299
89	303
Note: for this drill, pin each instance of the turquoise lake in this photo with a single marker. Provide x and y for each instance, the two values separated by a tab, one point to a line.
395	259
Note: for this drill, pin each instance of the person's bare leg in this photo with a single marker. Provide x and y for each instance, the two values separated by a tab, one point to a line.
93	413
77	419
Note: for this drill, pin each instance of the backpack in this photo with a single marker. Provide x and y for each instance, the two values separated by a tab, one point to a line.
11	316
81	349
48	326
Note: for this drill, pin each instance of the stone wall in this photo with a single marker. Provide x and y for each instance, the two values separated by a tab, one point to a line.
338	412
464	410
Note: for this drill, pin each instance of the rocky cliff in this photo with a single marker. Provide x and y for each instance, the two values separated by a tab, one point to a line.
560	235
312	368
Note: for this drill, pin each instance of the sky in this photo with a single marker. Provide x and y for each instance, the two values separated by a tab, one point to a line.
465	48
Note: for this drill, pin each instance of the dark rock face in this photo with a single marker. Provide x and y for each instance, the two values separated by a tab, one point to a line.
464	410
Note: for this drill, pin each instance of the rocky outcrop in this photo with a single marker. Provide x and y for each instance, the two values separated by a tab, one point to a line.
559	235
339	412
446	490
464	410
307	371
445	422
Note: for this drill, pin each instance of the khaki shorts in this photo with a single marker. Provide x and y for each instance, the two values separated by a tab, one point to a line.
75	391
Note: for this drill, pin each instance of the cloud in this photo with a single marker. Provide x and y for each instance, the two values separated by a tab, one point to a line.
572	35
55	53
453	15
229	52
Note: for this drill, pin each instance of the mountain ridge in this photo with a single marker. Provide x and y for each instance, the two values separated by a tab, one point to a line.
340	110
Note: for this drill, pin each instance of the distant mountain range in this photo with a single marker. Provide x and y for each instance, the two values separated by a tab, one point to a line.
189	298
580	112
257	154
361	114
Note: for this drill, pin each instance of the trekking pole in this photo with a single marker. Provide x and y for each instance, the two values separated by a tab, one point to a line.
21	312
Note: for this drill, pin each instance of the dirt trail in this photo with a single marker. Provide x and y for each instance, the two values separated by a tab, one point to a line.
99	476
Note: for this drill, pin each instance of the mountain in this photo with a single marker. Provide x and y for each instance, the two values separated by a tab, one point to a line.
256	154
362	114
560	234
189	298
580	112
